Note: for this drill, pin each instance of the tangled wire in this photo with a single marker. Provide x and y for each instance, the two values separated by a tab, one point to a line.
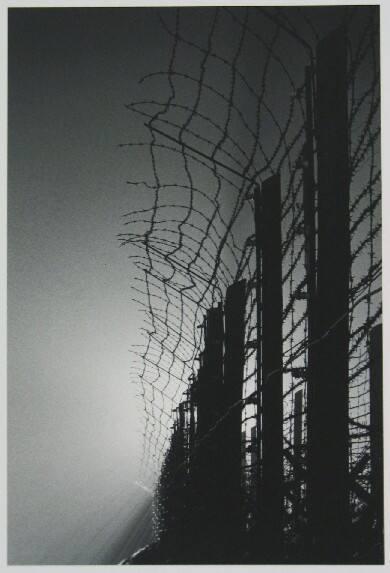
228	112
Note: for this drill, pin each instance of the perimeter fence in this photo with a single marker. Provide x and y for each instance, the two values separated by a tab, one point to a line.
260	281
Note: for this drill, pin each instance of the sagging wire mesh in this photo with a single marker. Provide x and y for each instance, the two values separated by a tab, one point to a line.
228	112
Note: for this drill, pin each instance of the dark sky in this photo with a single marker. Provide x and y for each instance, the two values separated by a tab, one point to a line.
74	423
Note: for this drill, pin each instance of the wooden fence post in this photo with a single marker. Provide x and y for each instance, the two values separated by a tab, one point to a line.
328	494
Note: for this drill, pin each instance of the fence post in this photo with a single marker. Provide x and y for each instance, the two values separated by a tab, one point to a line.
310	245
376	438
207	515
272	370
254	465
209	383
328	494
297	449
258	469
309	196
232	395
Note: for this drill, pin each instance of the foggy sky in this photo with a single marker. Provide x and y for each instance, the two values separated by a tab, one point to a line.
73	421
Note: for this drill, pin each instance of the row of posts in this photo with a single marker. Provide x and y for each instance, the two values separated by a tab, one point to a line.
328	538
212	521
200	486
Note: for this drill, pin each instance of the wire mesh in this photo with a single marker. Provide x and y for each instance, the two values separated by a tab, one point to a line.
228	112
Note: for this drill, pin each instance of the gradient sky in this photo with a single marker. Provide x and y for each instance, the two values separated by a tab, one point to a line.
74	425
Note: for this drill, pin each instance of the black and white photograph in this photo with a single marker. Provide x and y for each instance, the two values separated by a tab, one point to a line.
194	284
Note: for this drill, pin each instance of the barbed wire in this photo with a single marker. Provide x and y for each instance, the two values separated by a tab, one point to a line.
234	113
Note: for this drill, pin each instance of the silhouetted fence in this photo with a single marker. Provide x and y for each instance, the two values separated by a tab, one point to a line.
261	269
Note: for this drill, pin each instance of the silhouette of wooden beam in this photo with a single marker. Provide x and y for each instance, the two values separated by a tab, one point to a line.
271	511
376	438
328	492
